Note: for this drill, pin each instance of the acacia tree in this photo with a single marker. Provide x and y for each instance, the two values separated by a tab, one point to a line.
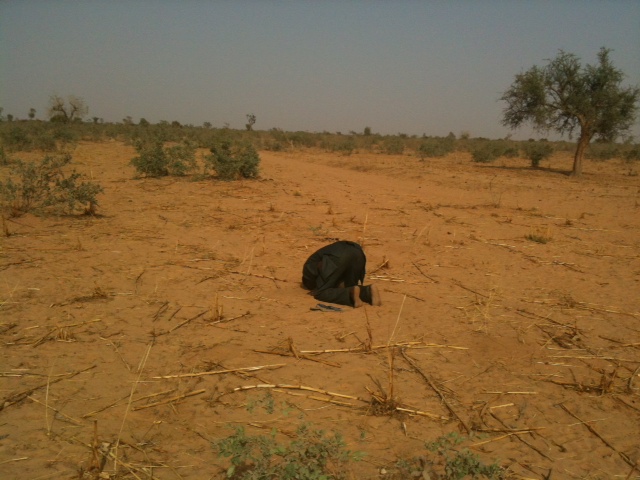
73	109
564	96
251	120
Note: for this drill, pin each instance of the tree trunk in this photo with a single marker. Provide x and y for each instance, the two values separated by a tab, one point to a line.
583	142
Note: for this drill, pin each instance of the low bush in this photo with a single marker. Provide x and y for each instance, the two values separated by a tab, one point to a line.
436	147
156	160
232	161
486	153
35	186
535	152
602	151
633	154
392	146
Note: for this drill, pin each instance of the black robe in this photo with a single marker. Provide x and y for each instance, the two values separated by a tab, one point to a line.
331	271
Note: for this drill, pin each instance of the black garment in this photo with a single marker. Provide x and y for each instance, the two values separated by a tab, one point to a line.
331	272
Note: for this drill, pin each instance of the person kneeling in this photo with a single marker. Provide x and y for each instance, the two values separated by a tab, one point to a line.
335	274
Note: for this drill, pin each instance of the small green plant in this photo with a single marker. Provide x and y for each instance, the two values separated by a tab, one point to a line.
445	461
311	455
537	151
232	161
156	160
39	185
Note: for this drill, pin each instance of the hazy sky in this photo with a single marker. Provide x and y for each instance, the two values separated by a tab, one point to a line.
412	67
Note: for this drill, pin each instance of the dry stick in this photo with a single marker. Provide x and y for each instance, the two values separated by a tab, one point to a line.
407	294
170	400
225	320
219	372
456	282
174	314
163	308
411	362
13	399
186	321
495	439
384	264
71	419
256	275
117	402
397	321
46	403
138	279
424	274
592	430
533	447
633	375
293	387
14	460
143	362
378	347
304	357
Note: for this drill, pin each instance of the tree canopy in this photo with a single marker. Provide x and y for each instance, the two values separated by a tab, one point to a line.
74	108
564	96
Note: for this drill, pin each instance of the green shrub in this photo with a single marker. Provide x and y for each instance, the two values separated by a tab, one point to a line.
36	186
537	151
602	151
4	159
436	147
633	154
156	160
393	146
233	161
15	138
445	461
486	152
312	455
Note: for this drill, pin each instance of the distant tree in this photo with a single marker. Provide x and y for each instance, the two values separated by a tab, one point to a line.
206	125
95	119
143	122
127	120
564	96
32	113
251	120
1	117
9	117
74	108
176	124
367	131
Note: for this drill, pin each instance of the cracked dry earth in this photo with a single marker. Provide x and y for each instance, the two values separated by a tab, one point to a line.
511	316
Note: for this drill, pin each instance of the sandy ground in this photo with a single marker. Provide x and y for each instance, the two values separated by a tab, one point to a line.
108	323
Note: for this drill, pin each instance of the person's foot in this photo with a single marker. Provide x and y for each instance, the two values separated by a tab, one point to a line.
356	295
371	295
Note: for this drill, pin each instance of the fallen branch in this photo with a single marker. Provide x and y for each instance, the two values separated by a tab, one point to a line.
424	274
220	372
411	362
363	348
622	455
170	400
18	397
298	357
